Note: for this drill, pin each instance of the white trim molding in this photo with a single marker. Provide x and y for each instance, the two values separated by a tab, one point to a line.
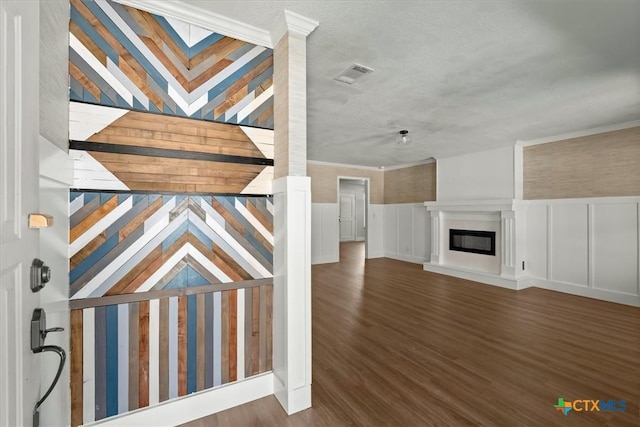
579	134
292	22
197	405
205	19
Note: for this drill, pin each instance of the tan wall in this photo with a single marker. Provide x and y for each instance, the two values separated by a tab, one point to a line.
603	165
324	182
410	185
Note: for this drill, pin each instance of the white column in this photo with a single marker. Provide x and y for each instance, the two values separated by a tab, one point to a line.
436	237
508	243
292	217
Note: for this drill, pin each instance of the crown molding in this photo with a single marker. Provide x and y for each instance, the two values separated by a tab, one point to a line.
291	22
410	165
579	134
344	165
205	19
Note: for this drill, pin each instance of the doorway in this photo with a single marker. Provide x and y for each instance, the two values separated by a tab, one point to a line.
353	211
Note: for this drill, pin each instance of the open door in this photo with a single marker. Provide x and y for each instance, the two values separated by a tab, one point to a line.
19	367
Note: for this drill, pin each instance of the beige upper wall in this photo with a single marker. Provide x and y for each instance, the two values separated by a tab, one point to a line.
410	185
602	165
324	182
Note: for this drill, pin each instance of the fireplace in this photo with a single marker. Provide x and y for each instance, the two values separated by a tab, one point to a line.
473	241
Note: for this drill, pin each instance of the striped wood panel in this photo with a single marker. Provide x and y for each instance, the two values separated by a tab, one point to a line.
193	346
123	57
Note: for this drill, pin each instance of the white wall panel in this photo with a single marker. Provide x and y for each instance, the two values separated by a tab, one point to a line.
375	225
537	243
406	232
615	247
421	238
569	244
324	233
390	229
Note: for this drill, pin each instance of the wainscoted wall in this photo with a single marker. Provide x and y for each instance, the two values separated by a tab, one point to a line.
170	294
585	247
407	234
410	185
601	165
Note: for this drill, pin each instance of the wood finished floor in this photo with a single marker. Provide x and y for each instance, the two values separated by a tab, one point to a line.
394	345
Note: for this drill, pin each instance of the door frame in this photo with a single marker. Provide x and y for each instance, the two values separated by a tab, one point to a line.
367	210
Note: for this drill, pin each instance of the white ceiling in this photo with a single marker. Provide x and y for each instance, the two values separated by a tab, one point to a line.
461	76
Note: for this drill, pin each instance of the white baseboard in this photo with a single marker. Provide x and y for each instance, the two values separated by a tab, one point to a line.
476	276
324	260
376	255
196	405
406	258
584	291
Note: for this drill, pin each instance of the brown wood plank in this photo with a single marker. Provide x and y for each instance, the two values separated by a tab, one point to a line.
228	217
269	329
157	51
83	253
255	330
84	81
182	346
134	344
139	219
143	359
262	367
210	72
88	43
163	360
138	76
180	125
204	145
200	340
239	89
157	33
183	179
266	115
202	169
75	367
421	349
138	274
266	222
184	188
216	260
224	315
219	50
93	218
233	335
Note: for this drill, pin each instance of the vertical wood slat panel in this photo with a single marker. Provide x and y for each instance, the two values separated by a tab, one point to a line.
200	341
224	360
143	354
233	335
164	350
75	367
208	341
133	356
255	332
248	332
263	329
100	362
182	346
269	328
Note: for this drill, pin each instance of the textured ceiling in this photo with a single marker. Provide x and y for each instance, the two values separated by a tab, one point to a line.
461	76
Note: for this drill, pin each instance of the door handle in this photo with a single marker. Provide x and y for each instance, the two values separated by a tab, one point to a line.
39	333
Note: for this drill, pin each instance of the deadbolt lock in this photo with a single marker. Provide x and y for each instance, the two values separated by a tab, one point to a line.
40	275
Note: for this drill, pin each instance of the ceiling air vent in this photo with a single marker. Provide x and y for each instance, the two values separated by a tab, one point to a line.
353	74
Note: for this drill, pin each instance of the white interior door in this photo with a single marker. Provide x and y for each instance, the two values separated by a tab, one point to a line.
347	217
19	372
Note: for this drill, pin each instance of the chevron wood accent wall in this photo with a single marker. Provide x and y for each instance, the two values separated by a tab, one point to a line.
124	57
170	294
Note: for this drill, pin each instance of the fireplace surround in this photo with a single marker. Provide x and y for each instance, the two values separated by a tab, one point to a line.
503	218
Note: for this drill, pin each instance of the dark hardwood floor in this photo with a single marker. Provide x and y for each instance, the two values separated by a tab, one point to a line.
394	345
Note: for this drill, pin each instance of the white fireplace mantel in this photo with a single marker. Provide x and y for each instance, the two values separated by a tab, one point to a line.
510	214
